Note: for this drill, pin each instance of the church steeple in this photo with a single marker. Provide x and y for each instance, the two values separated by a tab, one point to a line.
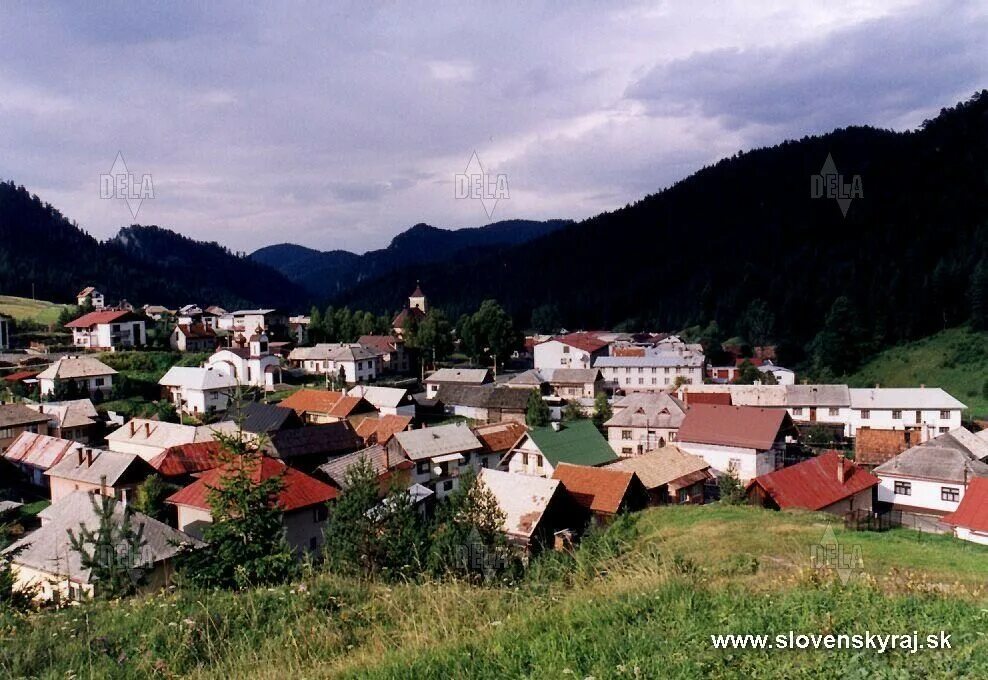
417	299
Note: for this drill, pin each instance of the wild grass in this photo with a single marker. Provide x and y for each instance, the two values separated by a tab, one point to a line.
638	601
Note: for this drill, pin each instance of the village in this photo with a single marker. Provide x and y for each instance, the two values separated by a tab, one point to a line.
582	428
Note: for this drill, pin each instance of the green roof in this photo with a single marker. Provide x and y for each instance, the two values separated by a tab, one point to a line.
577	442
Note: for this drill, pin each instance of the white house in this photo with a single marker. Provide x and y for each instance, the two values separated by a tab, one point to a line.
653	371
573	350
358	363
199	391
109	329
440	455
782	375
88	373
246	319
387	400
90	294
748	440
540	450
249	362
644	422
931	478
930	409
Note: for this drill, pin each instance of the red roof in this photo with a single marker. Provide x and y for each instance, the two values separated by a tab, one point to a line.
187	459
747	427
299	491
499	437
196	331
382	343
405	315
103	317
972	512
333	404
588	342
597	489
751	360
380	429
718	398
814	484
20	375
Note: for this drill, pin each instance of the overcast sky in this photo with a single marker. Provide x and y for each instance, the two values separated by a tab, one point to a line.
337	125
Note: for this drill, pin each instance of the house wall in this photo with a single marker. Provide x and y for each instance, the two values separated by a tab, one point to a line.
641	439
304	528
749	462
966	534
9	434
859	501
536	465
924	494
102	383
932	419
650	378
61	487
555	354
803	415
52	587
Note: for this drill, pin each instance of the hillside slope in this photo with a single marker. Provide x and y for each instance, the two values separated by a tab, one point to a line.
638	605
39	246
748	228
954	359
332	273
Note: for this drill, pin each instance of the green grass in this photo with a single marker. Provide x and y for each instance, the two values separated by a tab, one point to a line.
647	611
25	309
955	359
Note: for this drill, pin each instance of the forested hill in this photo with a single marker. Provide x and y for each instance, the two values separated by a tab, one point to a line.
40	247
328	274
747	230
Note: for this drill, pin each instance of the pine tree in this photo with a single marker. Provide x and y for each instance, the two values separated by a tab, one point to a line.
150	497
978	295
246	543
537	414
349	533
111	552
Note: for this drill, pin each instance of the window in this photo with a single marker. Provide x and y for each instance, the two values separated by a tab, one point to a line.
834	411
865	414
896	414
565	349
538	460
641	370
422	467
667	369
798	411
484	462
654	381
734	464
684	495
903	489
653	369
667	381
944	415
98	382
320	513
641	381
524	458
919	416
626	434
448	485
672	436
943	430
950	493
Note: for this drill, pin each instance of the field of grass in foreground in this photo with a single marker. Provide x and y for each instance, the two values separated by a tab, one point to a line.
955	359
26	309
647	612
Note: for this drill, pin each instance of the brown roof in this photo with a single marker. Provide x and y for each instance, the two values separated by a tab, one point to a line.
588	342
666	465
746	427
381	343
321	401
597	489
13	415
405	315
719	398
875	446
187	459
196	331
379	430
499	437
104	317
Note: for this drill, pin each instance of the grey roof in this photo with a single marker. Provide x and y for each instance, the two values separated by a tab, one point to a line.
333	351
96	465
263	418
48	549
522	498
574	375
650	359
312	440
209	378
817	395
76	367
474	376
18	414
945	458
482	396
903	398
530	378
437	441
380	396
645	409
376	455
67	414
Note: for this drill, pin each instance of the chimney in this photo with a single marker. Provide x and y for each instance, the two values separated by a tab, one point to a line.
922	386
147	430
840	468
89	457
80	455
132	428
877	386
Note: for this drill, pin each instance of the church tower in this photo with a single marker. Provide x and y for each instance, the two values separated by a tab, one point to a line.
417	299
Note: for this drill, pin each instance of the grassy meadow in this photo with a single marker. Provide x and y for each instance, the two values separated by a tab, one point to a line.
955	359
639	603
26	309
